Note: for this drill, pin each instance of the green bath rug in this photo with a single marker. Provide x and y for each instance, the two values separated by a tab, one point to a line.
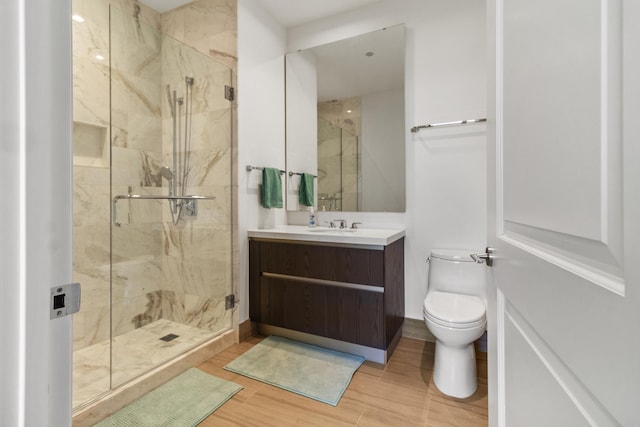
305	369
186	400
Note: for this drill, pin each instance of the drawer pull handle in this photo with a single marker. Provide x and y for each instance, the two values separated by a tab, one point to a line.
370	288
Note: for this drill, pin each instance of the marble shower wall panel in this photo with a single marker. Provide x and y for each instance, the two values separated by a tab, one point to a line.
197	260
329	170
349	172
340	158
91	253
136	105
209	26
135	74
195	268
91	184
90	74
345	113
134	284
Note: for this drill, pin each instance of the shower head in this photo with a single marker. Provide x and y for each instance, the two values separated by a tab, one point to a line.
166	173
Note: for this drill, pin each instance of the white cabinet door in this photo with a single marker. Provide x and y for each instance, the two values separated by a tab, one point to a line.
564	212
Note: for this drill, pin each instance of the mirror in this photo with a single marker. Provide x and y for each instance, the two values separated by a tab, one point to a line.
345	123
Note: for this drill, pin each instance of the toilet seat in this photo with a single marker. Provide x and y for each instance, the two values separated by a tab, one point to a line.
454	310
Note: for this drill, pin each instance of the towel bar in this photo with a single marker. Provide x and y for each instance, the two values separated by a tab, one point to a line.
250	168
459	122
299	173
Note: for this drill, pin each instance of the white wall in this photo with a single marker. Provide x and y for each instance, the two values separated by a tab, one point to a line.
383	177
302	106
445	168
445	80
261	137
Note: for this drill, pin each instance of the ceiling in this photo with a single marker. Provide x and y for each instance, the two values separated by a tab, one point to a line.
289	13
163	6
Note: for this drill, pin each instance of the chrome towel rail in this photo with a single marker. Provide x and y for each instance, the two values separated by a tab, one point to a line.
251	168
435	125
190	204
291	173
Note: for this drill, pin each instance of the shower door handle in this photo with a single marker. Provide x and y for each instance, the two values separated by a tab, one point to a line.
486	256
190	199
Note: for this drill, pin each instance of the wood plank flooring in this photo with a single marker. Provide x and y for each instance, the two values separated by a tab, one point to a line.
401	393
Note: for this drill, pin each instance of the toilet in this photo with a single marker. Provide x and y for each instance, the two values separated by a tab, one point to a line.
455	313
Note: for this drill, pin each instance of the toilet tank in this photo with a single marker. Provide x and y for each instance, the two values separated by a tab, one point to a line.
453	270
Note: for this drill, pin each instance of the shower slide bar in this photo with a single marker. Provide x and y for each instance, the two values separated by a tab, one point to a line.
257	168
190	204
298	173
456	123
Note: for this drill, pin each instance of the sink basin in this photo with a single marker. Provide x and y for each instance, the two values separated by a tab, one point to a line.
318	229
333	230
364	236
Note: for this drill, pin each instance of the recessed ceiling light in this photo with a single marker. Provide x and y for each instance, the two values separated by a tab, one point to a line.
348	111
77	18
369	53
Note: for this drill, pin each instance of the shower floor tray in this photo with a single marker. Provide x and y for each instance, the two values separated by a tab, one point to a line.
134	353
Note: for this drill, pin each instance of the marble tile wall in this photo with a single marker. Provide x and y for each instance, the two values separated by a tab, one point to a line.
159	270
339	128
197	260
209	26
91	186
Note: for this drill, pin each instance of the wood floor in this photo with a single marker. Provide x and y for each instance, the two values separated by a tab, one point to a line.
401	393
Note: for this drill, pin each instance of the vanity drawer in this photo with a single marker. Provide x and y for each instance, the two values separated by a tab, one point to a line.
344	314
340	264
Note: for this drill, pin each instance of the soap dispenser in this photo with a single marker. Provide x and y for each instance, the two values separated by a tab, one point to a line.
312	217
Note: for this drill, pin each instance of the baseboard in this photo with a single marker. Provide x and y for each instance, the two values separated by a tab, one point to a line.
417	329
247	330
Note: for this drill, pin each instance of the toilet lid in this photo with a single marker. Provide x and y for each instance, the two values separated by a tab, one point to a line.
458	255
454	308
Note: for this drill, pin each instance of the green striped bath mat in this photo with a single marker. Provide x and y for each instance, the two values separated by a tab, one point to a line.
186	400
305	369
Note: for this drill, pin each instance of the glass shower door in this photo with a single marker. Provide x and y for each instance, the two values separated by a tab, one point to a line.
171	228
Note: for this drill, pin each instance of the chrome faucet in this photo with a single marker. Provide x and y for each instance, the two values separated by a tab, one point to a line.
342	222
355	225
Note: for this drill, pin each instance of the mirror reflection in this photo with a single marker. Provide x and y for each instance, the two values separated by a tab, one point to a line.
345	122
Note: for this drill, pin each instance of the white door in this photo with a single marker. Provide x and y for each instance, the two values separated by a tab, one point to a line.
564	209
35	215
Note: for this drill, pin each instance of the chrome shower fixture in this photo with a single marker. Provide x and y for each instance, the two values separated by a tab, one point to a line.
178	176
171	103
166	173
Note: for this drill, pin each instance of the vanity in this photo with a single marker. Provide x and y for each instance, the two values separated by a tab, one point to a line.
341	289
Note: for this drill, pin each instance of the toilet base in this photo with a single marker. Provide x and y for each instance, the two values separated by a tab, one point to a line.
454	370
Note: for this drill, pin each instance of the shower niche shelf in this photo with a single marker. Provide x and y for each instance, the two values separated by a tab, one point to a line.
90	147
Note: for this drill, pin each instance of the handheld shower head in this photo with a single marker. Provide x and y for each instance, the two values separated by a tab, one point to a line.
166	173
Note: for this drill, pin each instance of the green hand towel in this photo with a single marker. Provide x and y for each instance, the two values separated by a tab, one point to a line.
305	196
271	188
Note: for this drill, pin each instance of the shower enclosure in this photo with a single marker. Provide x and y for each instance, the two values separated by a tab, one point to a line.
338	168
152	194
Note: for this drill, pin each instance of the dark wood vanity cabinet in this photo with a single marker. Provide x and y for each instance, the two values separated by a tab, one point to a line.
349	293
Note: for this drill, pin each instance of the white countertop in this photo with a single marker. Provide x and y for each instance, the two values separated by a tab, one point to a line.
361	236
